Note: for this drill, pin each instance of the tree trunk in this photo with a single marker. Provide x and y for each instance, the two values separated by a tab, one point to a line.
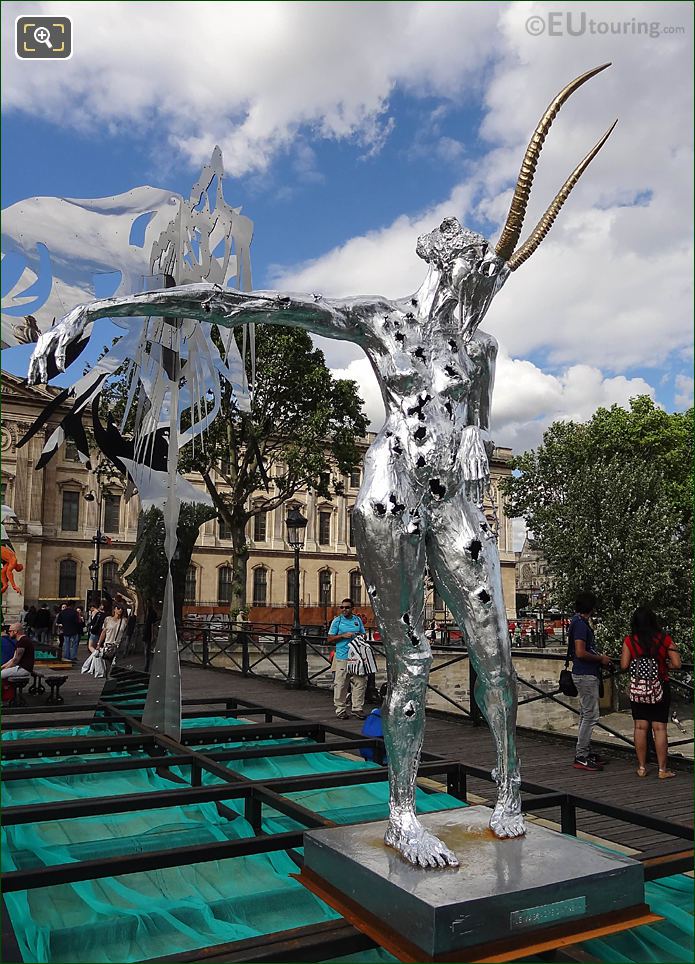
240	559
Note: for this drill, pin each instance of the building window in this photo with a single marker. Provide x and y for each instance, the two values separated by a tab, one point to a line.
71	511
109	575
259	527
260	586
190	590
225	530
437	601
112	513
67	584
3	493
71	454
356	587
351	531
290	587
325	587
224	585
324	528
355	478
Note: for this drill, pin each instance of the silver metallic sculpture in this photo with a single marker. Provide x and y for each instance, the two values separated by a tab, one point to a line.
425	474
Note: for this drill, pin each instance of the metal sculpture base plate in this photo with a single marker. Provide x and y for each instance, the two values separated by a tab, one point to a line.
504	890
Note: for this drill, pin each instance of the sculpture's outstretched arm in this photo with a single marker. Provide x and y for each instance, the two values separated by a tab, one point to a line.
476	445
346	319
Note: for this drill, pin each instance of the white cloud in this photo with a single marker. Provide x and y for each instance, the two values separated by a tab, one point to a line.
608	291
247	75
684	391
527	400
519	531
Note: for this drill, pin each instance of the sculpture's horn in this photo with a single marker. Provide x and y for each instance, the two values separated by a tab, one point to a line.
546	222
515	219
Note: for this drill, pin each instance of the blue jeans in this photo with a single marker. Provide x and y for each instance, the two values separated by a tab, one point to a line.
587	690
70	644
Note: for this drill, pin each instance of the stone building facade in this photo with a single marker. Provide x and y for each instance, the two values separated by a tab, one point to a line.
53	538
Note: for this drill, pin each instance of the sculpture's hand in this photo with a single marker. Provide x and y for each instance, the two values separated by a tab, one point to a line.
475	469
54	344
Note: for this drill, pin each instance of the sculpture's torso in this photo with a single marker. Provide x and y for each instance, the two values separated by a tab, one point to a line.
428	378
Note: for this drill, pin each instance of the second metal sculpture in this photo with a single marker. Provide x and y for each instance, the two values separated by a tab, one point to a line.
425	475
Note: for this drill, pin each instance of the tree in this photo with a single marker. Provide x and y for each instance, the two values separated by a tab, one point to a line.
609	506
301	418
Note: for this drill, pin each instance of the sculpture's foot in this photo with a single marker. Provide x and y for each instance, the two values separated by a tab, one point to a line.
507	822
417	845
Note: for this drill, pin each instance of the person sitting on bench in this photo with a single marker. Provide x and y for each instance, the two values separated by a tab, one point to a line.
21	664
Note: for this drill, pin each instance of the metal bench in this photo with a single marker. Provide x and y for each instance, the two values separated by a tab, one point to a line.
18	683
37	683
55	682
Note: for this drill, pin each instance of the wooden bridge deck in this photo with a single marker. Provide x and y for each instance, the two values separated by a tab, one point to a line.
545	759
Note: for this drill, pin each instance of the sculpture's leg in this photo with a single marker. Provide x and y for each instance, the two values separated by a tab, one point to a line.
464	563
392	560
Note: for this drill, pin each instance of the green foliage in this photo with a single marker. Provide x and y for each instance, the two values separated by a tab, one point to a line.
149	575
301	418
609	503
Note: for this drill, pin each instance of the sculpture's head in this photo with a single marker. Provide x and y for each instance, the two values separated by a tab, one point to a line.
467	263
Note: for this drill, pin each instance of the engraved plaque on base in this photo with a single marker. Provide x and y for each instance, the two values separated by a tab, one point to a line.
503	888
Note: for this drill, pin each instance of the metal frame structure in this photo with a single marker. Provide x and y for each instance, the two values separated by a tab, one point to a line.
312	943
203	645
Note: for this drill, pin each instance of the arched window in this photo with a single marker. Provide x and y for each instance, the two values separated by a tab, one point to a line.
190	591
325	587
109	574
67	584
224	585
356	587
260	586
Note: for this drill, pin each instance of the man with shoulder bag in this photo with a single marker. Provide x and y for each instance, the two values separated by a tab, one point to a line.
586	676
343	629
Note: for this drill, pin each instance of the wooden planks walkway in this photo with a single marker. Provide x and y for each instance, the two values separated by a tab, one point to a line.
545	760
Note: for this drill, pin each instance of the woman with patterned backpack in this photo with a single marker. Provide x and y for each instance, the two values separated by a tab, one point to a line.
648	653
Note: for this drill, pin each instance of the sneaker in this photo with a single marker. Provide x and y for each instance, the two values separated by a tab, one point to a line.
601	761
359	714
585	763
343	716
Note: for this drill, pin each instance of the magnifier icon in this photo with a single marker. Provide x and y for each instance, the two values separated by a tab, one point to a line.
42	35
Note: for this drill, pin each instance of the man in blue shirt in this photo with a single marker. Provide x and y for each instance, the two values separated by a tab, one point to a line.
586	670
340	632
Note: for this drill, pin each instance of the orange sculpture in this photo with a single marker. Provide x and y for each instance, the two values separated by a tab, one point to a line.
9	567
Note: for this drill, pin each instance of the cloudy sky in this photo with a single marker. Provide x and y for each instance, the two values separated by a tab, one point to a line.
349	128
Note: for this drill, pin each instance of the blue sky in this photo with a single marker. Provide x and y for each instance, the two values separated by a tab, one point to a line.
348	129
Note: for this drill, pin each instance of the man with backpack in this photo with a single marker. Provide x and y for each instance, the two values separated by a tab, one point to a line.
586	673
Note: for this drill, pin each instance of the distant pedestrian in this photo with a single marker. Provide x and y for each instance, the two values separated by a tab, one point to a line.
30	620
69	622
43	625
113	634
648	653
344	628
97	615
586	670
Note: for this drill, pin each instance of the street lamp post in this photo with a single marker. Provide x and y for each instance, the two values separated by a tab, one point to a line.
298	671
94	564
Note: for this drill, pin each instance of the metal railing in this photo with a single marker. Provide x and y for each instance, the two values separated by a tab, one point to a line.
261	649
